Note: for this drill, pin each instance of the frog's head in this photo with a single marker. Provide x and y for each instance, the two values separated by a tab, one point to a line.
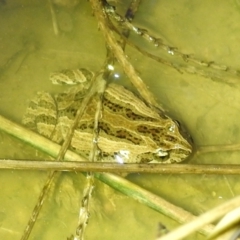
173	143
178	144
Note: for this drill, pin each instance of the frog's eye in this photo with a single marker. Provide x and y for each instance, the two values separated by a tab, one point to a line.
161	153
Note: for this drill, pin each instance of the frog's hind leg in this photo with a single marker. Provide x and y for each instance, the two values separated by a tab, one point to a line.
41	115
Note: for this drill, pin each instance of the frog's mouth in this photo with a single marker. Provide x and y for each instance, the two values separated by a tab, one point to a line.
177	153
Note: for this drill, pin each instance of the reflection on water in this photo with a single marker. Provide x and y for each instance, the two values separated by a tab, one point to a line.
208	107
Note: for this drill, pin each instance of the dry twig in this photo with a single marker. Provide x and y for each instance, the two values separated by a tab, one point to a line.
202	220
119	53
75	166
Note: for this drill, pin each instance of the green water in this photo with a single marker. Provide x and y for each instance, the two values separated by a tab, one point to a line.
209	108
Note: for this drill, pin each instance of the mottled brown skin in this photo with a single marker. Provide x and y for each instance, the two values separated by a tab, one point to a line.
129	131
